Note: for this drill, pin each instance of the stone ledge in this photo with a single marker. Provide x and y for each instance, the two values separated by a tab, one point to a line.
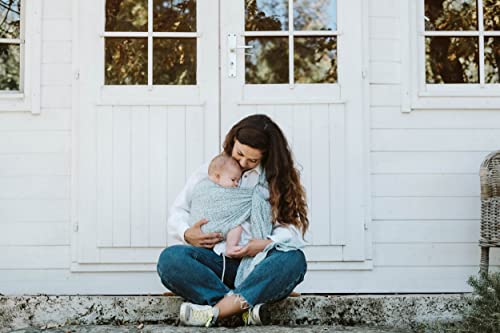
397	311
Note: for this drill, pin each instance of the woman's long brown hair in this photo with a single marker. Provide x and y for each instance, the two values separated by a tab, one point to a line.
287	195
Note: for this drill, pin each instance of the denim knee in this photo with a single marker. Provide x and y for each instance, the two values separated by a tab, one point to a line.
169	259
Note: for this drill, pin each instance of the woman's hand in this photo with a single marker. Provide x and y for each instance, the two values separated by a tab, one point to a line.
253	247
198	238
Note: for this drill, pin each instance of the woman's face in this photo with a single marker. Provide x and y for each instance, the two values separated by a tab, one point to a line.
246	156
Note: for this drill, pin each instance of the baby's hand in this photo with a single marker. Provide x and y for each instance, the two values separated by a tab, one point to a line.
231	251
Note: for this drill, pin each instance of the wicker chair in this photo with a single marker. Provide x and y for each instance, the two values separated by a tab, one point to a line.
490	207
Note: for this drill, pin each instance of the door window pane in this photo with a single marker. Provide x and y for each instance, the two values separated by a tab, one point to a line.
315	60
491	14
126	15
450	15
452	60
9	66
174	61
126	61
268	62
10	18
174	15
315	15
266	15
492	59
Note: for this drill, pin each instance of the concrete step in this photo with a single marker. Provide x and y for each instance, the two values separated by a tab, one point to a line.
177	329
408	312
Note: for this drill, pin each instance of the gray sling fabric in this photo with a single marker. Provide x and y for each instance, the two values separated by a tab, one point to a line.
226	208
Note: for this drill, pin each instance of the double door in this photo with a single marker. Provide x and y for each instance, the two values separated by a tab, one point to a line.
160	84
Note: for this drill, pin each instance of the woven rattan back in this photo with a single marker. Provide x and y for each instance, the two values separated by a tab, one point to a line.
490	200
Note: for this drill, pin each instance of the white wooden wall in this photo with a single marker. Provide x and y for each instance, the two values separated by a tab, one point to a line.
424	180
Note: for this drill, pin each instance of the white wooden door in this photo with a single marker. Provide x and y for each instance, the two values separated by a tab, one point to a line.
160	84
300	63
148	116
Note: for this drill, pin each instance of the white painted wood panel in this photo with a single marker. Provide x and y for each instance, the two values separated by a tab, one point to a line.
34	164
392	117
384	8
176	140
337	170
386	27
426	231
195	136
158	184
56	74
56	30
399	208
385	50
435	139
385	95
139	177
385	72
56	97
48	210
320	190
49	119
122	192
105	173
426	162
34	187
56	52
35	233
429	254
395	185
29	257
34	142
57	9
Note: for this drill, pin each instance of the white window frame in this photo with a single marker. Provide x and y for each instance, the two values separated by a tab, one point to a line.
416	93
27	99
147	94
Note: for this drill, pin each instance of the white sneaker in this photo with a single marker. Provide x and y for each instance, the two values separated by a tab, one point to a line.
197	315
252	316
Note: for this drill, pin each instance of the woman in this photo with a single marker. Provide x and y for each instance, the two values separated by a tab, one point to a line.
196	270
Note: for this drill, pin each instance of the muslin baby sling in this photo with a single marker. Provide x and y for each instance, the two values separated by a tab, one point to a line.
226	208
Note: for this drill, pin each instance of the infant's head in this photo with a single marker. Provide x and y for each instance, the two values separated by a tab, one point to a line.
224	170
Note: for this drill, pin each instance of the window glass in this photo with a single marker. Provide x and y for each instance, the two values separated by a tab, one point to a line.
127	58
311	43
10	18
450	15
269	61
127	15
315	60
458	48
315	14
174	15
266	15
126	61
174	61
10	46
9	66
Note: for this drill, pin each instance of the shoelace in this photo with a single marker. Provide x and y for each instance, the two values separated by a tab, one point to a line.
205	316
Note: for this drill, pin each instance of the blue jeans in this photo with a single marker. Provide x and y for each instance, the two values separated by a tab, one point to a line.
195	274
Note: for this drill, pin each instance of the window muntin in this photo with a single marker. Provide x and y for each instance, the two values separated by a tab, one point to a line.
150	42
292	41
11	46
461	40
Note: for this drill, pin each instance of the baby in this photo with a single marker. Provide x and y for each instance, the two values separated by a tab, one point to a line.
225	171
